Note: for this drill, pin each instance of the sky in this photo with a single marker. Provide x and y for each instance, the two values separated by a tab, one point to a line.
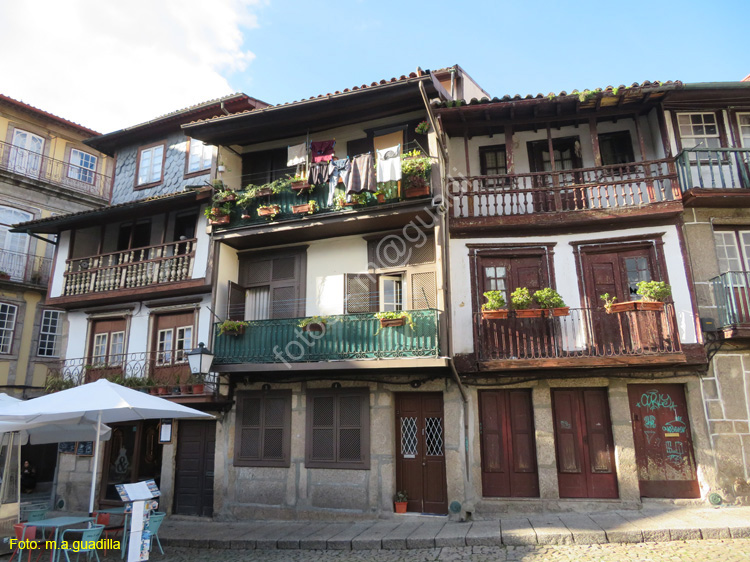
110	64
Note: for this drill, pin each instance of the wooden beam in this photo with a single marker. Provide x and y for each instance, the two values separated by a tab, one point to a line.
509	149
551	149
584	362
641	141
664	132
595	141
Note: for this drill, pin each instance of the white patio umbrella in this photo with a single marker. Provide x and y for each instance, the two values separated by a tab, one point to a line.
99	402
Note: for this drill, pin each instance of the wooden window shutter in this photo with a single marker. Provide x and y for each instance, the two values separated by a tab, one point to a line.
361	293
338	429
236	302
263	428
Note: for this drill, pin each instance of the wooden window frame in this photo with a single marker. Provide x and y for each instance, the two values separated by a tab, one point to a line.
54	337
610	136
203	171
337	394
11	329
483	150
72	166
285	462
137	186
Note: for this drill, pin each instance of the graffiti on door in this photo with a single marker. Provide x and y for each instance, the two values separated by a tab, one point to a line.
653	400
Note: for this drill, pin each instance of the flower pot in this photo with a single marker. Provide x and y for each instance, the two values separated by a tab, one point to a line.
392	322
413	192
529	313
228	197
264	192
400	506
269	211
185	389
314	327
301	209
494	314
381	198
162	390
236	332
300	185
561	311
619	307
153	390
199	388
649	305
220	219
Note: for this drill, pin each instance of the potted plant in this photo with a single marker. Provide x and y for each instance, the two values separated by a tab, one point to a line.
269	211
400	501
653	294
309	208
355	199
609	302
197	384
56	383
551	302
299	182
521	300
4	275
272	188
422	128
152	386
394	318
313	324
415	170
219	213
494	307
223	196
233	327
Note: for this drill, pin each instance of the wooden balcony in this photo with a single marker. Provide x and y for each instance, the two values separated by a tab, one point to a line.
133	270
563	197
36	166
585	338
717	177
345	337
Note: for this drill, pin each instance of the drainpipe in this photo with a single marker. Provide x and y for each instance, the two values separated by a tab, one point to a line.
453	82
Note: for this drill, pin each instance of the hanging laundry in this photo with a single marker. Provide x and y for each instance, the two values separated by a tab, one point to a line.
389	164
318	173
296	154
337	169
322	151
362	175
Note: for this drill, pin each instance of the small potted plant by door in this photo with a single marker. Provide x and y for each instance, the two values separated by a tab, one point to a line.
521	301
400	501
551	302
308	208
299	182
494	309
313	324
233	327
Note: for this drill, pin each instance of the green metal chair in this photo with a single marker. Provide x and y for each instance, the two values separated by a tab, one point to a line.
154	522
82	541
36	514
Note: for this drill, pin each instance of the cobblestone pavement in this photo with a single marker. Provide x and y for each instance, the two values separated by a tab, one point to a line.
736	550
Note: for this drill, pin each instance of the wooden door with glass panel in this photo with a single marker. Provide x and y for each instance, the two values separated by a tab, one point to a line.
173	337
106	349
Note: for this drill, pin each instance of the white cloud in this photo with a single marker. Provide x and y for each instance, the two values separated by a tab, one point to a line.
109	65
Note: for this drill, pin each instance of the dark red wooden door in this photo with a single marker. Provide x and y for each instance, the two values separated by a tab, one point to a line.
194	469
508	446
584	445
663	442
420	451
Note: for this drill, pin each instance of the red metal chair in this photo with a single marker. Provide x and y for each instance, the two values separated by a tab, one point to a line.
25	533
109	528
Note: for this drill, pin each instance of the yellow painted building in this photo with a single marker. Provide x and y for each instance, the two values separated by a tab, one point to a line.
45	170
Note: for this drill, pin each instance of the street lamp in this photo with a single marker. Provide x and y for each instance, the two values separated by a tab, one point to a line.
200	360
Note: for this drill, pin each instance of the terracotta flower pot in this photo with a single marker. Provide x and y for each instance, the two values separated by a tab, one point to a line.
413	192
495	314
162	390
561	311
271	210
220	219
185	389
392	322
400	506
301	209
264	192
300	185
629	306
199	388
529	313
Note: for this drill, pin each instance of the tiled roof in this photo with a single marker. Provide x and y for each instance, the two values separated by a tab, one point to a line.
48	115
419	73
582	94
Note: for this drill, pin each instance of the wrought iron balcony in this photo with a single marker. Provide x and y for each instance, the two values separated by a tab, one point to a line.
583	337
620	186
25	268
63	174
732	297
130	269
345	337
715	168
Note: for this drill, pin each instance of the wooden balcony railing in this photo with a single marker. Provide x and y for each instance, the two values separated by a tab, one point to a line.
350	336
26	268
605	187
584	333
732	296
716	168
64	174
129	269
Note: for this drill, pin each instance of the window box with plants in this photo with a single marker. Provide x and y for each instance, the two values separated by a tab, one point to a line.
306	209
387	192
222	194
653	294
313	324
494	308
415	171
551	302
394	318
233	327
354	200
269	211
401	501
272	188
219	213
299	182
521	301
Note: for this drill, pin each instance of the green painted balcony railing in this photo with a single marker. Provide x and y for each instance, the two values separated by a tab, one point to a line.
732	296
346	337
714	168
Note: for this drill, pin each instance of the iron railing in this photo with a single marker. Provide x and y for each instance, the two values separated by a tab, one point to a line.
344	337
604	187
584	332
732	297
64	174
717	168
26	268
128	269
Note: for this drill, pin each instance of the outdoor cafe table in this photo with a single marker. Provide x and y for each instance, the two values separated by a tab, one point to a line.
58	523
120	511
